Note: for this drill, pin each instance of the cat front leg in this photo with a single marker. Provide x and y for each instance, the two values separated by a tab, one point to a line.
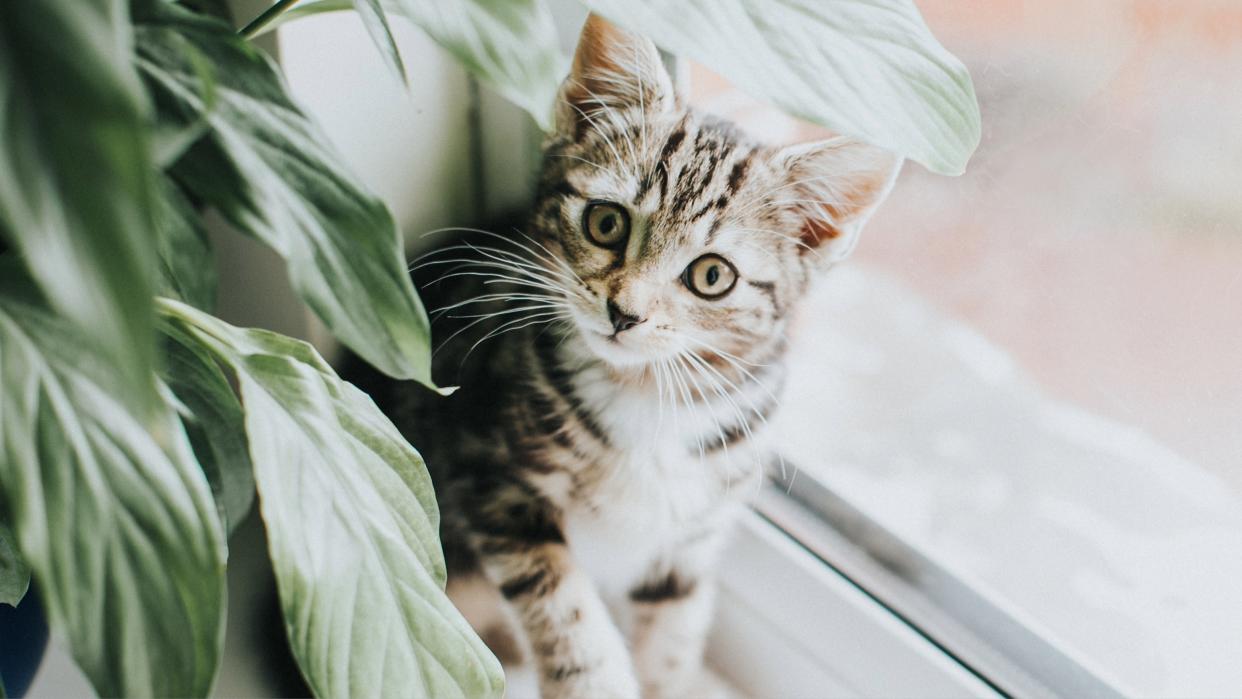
672	612
578	650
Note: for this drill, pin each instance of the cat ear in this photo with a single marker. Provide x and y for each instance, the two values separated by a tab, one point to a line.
613	70
834	186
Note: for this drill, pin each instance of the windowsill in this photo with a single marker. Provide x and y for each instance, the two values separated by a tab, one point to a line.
789	626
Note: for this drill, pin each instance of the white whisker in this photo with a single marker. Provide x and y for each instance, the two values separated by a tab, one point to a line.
602	132
515	309
584	160
495	278
736	362
684	389
516	266
513	325
559	266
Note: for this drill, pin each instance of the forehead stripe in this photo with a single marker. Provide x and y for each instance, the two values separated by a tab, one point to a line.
739	172
689	188
736	175
660	171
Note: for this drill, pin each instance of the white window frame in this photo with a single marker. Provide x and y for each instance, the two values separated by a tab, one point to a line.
788	625
870	611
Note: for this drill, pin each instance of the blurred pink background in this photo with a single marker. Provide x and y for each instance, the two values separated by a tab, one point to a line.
1097	233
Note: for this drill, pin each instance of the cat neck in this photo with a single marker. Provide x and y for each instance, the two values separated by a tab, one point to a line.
707	402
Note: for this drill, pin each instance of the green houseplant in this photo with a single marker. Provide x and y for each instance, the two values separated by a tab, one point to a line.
135	427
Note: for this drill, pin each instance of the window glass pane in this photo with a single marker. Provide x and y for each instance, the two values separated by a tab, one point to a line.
1033	372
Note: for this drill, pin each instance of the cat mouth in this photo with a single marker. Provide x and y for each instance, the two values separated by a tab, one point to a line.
623	350
616	349
615	340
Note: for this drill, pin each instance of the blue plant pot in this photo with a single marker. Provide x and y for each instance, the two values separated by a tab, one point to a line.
23	640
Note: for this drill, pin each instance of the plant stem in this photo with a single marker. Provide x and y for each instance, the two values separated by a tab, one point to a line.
258	23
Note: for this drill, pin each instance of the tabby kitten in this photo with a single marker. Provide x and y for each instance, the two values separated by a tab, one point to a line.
610	425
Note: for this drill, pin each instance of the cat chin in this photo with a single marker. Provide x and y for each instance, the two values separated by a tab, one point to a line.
616	352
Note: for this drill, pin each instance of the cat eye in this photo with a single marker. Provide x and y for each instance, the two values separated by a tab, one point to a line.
711	276
606	224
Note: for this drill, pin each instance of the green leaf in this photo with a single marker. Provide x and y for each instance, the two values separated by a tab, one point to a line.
215	8
112	514
266	167
186	262
376	23
76	178
175	131
352	527
214	422
511	45
14	573
867	68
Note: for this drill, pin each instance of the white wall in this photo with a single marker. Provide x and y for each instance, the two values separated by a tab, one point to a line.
410	145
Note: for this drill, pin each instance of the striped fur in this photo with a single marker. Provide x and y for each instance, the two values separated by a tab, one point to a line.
589	476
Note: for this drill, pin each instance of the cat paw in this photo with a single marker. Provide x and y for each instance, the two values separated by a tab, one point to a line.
604	682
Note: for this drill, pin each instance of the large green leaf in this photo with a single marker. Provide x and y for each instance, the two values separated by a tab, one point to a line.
266	167
14	573
867	68
112	514
213	419
75	174
352	526
510	44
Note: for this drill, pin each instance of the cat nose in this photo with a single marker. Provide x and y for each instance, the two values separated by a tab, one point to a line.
621	321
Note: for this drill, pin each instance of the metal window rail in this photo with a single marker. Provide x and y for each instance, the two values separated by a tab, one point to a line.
1004	650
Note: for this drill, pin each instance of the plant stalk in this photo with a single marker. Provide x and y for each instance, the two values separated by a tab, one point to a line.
257	24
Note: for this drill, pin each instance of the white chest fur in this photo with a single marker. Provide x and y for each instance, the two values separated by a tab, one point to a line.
658	491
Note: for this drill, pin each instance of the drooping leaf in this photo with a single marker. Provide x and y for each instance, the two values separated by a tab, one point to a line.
511	44
75	175
376	22
112	514
214	422
352	526
14	573
866	68
186	262
266	167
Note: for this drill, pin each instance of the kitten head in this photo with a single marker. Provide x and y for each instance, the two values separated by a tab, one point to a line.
686	236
